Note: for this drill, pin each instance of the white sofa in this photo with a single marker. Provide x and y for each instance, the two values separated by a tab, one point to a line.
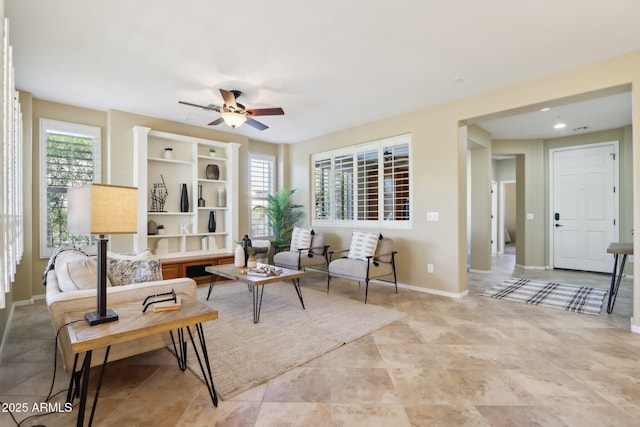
61	302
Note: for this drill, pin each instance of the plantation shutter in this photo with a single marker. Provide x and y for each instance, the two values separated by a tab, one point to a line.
322	178
396	183
368	185
343	187
262	185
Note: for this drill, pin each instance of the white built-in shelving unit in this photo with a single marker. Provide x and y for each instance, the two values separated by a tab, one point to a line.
190	156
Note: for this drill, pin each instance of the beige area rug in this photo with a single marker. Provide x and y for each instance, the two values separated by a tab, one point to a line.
244	354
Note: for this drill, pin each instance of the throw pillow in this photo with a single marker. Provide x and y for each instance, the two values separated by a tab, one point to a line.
75	270
300	239
124	272
363	244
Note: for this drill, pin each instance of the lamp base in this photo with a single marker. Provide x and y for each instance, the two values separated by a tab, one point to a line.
94	317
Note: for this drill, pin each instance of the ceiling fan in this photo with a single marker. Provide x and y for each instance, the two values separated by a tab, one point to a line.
235	114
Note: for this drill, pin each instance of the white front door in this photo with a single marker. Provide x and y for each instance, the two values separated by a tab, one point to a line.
584	206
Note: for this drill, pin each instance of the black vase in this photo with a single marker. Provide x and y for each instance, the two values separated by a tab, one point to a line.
212	222
184	199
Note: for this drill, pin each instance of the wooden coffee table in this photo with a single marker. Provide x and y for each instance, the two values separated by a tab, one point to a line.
255	283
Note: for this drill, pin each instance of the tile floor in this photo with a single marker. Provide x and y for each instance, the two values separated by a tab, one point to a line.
473	361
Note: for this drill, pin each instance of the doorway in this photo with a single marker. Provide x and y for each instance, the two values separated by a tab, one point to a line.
584	200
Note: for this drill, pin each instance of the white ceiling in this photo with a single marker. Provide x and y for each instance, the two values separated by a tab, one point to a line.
330	64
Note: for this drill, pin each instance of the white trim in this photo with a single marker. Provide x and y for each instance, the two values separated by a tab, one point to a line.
473	270
5	335
616	194
635	329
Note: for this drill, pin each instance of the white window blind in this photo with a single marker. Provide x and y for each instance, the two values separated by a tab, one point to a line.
262	182
69	157
11	169
367	184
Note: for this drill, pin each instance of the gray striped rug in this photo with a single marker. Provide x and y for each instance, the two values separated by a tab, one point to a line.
580	299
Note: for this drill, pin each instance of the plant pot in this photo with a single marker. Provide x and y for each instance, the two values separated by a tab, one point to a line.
251	262
161	231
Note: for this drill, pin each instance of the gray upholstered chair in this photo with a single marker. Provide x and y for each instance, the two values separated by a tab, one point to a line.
299	258
365	267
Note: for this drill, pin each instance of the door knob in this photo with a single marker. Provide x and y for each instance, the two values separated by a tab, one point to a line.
558	225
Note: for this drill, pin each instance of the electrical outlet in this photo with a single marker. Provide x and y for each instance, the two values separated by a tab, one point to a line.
429	268
433	216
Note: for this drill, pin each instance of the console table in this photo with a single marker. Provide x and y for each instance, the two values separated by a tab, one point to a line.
133	324
616	249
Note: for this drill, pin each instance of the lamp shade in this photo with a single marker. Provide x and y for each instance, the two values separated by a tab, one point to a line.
233	119
102	209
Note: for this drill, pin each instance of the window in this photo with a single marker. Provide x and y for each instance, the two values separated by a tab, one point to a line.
262	184
368	184
69	157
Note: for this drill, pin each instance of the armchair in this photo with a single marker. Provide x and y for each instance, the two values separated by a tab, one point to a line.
376	262
313	254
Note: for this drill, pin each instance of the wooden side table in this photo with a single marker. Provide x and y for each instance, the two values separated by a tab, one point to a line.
133	324
616	249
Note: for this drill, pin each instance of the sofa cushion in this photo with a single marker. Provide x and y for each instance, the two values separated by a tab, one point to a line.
75	271
124	272
145	254
363	245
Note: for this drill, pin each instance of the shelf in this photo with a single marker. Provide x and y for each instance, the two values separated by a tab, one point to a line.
211	208
163	160
158	236
212	181
215	159
170	213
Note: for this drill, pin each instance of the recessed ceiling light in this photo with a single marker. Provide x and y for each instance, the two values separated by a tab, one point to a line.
458	79
545	109
560	125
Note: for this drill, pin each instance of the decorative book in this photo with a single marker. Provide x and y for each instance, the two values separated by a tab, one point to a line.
168	305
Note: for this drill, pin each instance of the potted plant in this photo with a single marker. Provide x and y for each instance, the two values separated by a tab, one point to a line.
283	215
251	261
160	229
168	153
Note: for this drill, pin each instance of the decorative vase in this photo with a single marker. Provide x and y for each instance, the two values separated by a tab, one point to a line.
212	222
246	244
212	172
201	202
184	198
238	259
222	197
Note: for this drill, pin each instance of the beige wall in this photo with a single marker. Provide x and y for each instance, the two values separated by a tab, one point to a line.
440	170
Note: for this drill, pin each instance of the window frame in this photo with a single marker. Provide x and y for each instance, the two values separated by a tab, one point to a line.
263	157
76	129
326	162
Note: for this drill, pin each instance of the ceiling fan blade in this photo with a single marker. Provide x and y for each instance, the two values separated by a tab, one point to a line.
206	107
256	124
229	98
266	111
216	121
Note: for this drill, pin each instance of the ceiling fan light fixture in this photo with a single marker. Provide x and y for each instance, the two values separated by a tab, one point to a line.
233	119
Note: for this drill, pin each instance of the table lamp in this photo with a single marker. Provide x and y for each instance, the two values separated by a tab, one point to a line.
100	210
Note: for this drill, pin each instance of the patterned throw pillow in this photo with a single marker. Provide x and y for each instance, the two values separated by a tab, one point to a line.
125	272
363	244
300	239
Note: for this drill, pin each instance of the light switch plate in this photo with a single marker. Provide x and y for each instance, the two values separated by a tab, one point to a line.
433	216
530	217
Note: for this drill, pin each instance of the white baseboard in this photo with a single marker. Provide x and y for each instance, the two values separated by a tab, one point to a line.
635	329
532	267
473	270
426	290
